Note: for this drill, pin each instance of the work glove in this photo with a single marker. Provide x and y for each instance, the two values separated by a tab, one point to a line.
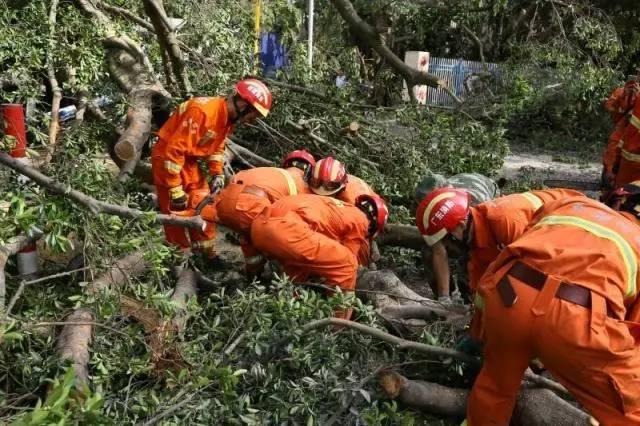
217	183
178	199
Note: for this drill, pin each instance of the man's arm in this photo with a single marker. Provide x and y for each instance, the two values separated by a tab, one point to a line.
440	263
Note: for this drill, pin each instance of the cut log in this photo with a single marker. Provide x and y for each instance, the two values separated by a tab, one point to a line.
74	340
397	235
534	407
73	343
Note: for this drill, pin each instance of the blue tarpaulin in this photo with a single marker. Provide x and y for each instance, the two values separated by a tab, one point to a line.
273	55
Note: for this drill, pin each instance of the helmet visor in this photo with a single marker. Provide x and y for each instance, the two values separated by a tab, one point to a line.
329	186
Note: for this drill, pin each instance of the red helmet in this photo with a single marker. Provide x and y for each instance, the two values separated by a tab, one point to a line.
329	177
256	93
376	210
440	212
299	155
626	198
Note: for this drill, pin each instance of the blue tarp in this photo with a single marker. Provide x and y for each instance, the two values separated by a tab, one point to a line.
273	55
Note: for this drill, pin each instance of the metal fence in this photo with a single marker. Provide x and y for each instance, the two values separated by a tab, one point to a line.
461	77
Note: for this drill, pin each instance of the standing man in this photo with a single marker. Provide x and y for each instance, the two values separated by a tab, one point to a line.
619	106
566	292
197	131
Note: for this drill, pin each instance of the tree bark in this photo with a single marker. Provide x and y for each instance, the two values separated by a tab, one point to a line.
397	235
534	407
74	340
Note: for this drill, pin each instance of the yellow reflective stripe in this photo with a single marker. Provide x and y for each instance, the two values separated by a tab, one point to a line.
172	167
183	107
630	156
478	301
217	157
176	192
464	423
337	202
627	253
533	199
293	189
210	134
635	121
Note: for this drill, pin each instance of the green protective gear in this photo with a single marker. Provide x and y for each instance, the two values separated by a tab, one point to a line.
481	188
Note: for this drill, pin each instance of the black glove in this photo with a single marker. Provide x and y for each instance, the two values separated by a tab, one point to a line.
217	183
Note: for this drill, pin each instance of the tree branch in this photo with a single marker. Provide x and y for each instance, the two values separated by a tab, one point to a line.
423	348
367	34
126	14
168	42
97	206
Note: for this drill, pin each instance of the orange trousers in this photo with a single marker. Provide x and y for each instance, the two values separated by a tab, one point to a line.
303	253
594	356
629	171
203	241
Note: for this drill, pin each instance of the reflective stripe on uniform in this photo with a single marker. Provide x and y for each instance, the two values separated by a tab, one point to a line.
172	167
478	301
337	202
216	157
628	256
203	244
533	199
183	107
293	189
635	121
464	423
630	156
210	134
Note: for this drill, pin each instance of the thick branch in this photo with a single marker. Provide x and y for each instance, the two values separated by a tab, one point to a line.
397	235
168	41
367	34
74	340
249	155
534	407
126	14
422	348
96	206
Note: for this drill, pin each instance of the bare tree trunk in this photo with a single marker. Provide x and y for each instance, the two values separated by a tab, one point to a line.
397	235
535	407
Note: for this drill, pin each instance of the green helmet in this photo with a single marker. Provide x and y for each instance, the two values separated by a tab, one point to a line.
428	183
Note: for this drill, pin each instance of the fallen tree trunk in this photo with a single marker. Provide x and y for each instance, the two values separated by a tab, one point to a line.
534	407
397	235
74	340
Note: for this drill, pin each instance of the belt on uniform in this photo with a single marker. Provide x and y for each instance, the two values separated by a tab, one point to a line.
570	292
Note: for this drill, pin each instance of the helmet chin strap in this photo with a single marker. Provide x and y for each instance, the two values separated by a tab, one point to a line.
240	112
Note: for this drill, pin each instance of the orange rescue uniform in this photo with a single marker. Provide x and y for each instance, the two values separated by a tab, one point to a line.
499	222
629	169
566	292
353	189
195	131
615	105
236	206
314	236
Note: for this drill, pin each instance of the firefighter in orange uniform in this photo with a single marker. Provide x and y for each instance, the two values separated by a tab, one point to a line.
629	166
320	237
251	191
619	105
566	292
449	224
330	178
197	131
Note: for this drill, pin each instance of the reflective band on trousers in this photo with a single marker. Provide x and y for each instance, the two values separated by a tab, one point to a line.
293	189
635	121
216	157
533	199
628	256
630	156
